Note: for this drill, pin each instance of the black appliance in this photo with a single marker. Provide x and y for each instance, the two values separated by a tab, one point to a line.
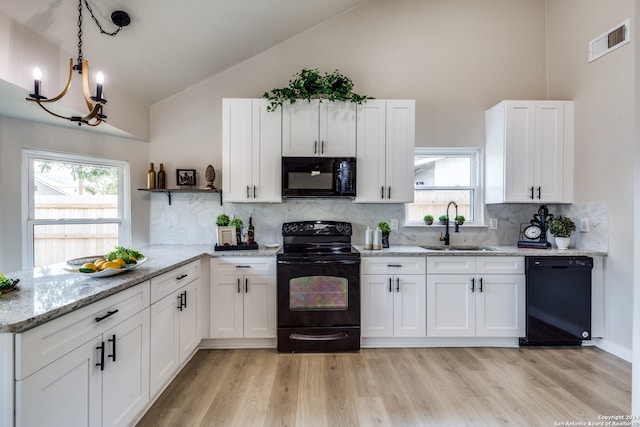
318	275
558	300
318	177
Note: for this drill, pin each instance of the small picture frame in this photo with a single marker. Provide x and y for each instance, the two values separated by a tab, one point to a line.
186	177
227	236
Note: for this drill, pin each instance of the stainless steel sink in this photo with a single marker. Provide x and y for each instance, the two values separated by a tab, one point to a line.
459	248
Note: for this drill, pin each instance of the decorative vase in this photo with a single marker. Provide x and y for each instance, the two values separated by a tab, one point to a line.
428	222
385	239
563	243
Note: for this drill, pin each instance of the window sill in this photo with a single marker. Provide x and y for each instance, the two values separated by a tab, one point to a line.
442	226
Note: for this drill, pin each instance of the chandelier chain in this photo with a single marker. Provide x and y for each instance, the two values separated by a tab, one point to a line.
98	22
80	56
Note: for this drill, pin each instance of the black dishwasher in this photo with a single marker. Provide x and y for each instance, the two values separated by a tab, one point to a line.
558	300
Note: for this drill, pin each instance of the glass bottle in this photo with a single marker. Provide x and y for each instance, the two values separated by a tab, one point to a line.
151	177
251	232
368	238
377	239
162	177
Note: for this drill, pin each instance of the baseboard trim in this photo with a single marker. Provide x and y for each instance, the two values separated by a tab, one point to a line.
613	348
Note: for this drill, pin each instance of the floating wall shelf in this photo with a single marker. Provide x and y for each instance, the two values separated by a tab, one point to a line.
168	191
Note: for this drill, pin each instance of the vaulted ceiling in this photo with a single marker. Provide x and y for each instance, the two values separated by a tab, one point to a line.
171	45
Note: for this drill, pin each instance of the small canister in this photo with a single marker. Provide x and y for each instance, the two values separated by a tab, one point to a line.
368	238
377	239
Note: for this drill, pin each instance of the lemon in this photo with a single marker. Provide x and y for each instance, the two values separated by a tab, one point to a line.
90	266
111	264
99	262
132	259
120	261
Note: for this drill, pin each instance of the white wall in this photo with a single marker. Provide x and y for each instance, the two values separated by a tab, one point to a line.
604	134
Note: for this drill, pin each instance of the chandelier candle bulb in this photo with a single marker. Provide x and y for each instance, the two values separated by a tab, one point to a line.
99	82
37	79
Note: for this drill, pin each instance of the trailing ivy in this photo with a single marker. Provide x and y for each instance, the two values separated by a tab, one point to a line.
311	84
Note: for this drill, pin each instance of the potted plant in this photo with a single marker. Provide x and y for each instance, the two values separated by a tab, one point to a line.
561	228
311	84
459	219
442	219
237	223
385	227
222	220
428	219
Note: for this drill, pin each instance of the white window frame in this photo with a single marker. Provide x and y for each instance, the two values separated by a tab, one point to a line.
28	202
476	154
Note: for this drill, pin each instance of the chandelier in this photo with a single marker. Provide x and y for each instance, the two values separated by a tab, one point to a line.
95	103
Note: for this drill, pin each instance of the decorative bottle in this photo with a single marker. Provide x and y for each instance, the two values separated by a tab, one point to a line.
151	178
162	177
368	238
251	232
377	239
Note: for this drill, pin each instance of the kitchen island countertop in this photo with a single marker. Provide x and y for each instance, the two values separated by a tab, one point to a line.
48	292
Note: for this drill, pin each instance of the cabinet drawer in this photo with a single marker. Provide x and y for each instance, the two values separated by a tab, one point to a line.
500	265
393	265
166	283
42	345
451	265
243	265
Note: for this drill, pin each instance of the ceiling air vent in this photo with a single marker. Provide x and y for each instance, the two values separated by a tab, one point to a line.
609	41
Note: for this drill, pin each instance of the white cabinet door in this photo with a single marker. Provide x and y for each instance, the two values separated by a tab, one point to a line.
251	147
190	328
500	306
165	342
450	306
377	305
385	151
125	379
319	129
400	150
409	309
68	392
226	306
259	307
529	152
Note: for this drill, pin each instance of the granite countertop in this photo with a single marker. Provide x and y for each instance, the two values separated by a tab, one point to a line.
51	291
401	250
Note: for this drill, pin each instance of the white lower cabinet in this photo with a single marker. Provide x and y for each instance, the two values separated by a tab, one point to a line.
393	297
475	296
175	330
104	381
243	297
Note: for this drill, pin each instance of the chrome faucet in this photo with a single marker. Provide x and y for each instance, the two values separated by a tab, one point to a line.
446	237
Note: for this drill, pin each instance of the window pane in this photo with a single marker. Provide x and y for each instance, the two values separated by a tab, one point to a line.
434	202
439	171
61	242
71	190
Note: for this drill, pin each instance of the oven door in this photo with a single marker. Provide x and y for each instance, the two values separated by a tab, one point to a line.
314	293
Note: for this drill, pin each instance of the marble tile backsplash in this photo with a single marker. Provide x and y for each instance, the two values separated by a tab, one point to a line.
191	220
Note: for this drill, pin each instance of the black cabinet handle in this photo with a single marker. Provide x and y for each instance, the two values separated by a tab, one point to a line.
394	265
248	192
473	285
322	147
397	284
179	302
390	284
389	193
481	284
254	191
112	340
243	266
239	285
315	147
531	193
101	362
181	277
185	299
382	192
109	314
539	190
246	285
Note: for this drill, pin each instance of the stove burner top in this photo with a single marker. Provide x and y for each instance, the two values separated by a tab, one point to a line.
317	238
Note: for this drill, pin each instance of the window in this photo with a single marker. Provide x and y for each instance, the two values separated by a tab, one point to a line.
443	175
76	206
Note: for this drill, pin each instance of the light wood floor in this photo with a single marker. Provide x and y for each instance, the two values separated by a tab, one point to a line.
396	387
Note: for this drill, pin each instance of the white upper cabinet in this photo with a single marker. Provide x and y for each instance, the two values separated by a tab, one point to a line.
529	152
319	129
251	151
385	146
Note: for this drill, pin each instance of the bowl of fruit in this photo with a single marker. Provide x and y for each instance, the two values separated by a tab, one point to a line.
115	262
7	285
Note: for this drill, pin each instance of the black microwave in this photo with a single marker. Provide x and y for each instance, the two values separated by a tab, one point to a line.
319	177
